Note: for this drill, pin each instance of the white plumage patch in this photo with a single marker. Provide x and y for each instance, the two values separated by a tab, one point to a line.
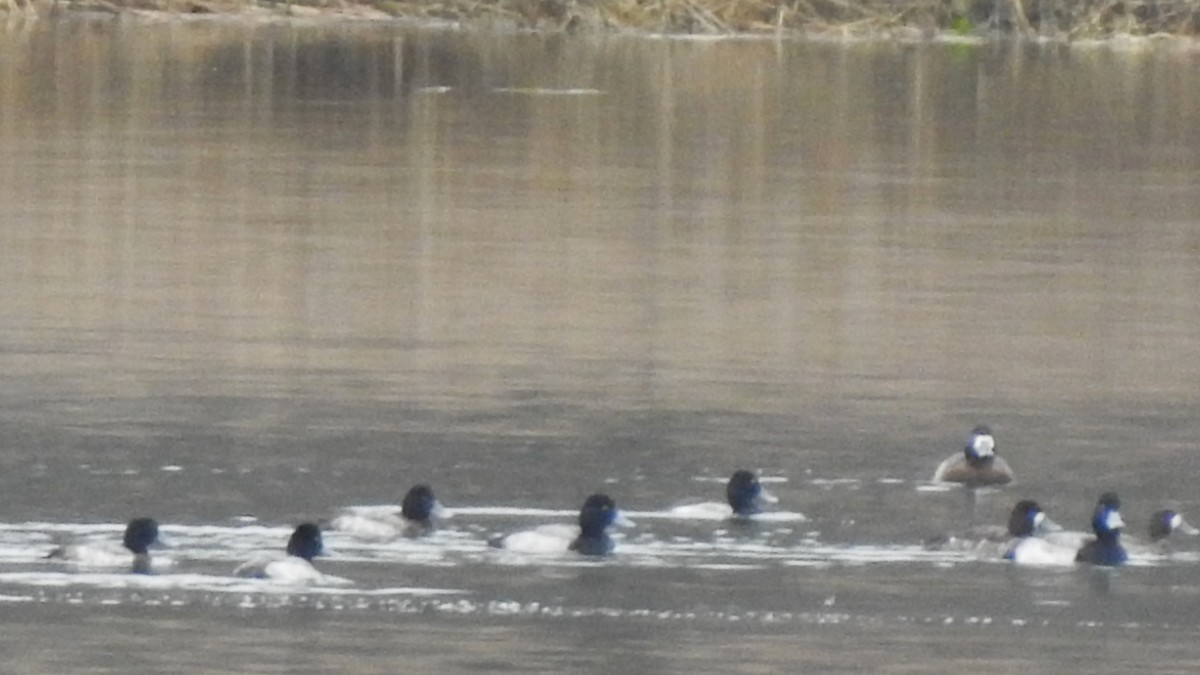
983	445
543	539
1034	551
1112	520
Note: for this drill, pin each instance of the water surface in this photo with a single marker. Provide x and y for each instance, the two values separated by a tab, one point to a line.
255	273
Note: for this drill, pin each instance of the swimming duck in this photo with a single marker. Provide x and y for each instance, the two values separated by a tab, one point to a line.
1166	522
746	495
744	499
1025	547
296	567
1026	518
599	511
133	552
1163	524
977	465
418	515
1106	548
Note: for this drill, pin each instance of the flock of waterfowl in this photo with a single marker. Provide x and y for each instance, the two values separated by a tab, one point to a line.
1033	538
1030	536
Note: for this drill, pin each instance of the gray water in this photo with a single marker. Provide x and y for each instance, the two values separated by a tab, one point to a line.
254	273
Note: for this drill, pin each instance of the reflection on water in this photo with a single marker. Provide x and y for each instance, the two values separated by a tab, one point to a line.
276	269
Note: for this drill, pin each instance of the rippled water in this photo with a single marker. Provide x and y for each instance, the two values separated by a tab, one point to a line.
252	274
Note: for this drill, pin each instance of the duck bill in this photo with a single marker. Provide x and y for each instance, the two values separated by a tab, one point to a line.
620	520
1184	527
766	497
439	512
1046	525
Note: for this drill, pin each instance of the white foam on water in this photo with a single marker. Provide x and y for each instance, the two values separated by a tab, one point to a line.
511	511
836	482
547	91
203	582
726	545
937	487
714	511
725	479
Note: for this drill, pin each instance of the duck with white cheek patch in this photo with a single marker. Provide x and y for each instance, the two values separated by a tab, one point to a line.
1106	549
977	465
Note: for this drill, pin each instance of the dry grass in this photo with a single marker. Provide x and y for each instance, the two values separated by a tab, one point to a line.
1072	19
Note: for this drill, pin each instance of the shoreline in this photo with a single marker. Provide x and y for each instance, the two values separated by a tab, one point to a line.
967	21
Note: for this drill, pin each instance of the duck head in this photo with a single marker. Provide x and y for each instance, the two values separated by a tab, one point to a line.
305	542
140	535
1025	519
1166	522
598	512
981	446
746	494
420	505
1106	519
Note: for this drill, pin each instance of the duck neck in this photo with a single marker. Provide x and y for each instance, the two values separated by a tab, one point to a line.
976	461
745	507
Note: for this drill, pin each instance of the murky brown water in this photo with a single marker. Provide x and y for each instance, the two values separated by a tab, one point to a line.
278	269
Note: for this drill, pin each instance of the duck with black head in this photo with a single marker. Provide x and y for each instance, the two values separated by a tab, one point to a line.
1026	519
591	537
746	494
1164	531
1026	547
132	553
418	515
296	566
1166	528
1166	522
745	498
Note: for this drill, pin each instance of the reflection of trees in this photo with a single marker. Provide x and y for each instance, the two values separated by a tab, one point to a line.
709	218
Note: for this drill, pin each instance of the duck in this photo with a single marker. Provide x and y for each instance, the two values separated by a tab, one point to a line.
1026	518
418	516
1025	547
133	552
745	497
590	538
977	465
296	567
1163	524
1105	549
1166	522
